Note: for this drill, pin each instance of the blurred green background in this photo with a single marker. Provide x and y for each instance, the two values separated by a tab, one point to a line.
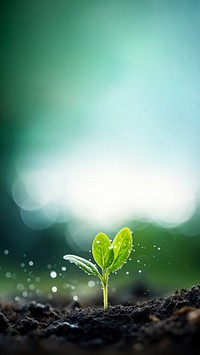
99	129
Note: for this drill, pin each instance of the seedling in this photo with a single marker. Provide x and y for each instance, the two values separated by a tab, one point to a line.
110	256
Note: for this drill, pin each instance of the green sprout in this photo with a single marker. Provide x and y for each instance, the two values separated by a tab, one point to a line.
110	256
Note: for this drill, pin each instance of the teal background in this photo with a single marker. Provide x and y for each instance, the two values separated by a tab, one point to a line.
99	129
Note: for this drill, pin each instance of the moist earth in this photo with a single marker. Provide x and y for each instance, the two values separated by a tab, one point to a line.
159	326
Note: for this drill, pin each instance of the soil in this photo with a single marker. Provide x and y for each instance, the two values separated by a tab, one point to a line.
160	326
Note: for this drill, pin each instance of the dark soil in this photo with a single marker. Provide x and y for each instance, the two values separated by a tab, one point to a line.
161	326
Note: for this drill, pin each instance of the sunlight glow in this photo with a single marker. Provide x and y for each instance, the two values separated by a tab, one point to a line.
104	195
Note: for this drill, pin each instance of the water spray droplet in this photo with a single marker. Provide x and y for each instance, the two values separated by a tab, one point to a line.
53	274
91	283
20	287
8	275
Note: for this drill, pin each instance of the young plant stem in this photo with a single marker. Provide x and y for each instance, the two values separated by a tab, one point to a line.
105	289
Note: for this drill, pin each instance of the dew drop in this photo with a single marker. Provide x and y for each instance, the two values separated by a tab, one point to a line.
63	268
127	272
140	271
98	241
159	248
6	251
30	263
75	298
110	247
54	289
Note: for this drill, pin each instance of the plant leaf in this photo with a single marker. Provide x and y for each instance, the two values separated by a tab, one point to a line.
83	264
102	250
122	245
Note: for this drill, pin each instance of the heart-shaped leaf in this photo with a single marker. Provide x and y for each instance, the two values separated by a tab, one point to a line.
102	250
122	245
83	264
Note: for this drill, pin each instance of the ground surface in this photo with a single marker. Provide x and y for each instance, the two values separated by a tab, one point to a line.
161	326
